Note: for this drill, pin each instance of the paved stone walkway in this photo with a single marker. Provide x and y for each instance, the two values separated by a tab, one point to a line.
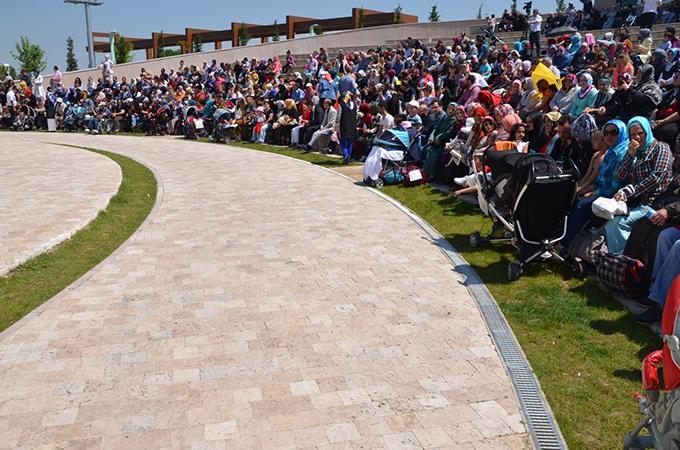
267	304
47	193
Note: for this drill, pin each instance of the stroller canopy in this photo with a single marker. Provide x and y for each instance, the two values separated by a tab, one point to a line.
222	114
394	140
190	111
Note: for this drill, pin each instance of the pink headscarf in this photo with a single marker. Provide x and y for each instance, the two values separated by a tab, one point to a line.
508	122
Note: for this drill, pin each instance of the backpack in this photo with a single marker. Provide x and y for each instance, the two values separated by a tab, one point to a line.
623	276
586	245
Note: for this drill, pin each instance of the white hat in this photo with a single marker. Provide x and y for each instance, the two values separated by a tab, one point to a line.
413	103
362	73
60	100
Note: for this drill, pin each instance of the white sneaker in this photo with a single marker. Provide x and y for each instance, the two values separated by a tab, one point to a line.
87	130
460	181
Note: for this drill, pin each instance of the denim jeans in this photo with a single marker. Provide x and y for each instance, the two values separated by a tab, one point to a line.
666	264
346	147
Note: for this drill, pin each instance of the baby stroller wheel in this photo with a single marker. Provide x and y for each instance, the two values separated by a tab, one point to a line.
378	183
475	239
514	270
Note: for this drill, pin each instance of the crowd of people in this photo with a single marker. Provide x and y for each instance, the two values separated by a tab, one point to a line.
609	105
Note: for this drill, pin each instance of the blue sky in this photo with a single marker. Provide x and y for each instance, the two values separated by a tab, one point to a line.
49	22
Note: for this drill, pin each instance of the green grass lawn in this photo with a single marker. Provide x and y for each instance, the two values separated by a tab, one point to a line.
42	277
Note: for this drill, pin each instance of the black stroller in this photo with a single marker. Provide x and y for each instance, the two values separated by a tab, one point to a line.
532	205
224	129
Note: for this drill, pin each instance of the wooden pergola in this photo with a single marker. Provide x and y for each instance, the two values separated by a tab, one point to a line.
292	26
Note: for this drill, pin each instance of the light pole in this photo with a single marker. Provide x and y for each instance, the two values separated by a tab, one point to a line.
90	41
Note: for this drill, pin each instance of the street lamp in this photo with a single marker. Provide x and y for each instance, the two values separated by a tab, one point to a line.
90	41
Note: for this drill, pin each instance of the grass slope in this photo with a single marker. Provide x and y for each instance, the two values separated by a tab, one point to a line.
42	277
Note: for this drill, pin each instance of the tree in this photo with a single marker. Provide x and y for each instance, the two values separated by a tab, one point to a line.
397	13
122	49
318	30
275	38
479	11
361	18
197	44
161	44
561	6
71	62
31	57
7	70
513	7
243	34
434	14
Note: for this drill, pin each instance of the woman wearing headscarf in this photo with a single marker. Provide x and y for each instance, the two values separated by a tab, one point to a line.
506	117
585	96
529	100
604	184
551	120
581	59
562	59
575	44
536	132
645	172
514	94
658	61
669	68
639	100
643	49
604	93
564	97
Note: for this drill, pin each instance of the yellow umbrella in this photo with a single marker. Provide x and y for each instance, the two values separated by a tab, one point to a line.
541	72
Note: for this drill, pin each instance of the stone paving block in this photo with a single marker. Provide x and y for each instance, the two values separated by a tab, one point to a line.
257	312
52	192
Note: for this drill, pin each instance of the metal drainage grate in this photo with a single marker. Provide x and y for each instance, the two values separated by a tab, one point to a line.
537	416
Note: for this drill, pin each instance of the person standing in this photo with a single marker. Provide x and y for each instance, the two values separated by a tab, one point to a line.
346	123
534	22
649	12
56	79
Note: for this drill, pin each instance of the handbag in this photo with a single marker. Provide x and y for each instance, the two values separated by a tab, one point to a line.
623	276
608	208
586	245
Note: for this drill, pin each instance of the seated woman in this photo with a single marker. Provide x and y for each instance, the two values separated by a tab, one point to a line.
488	135
631	100
645	172
610	146
536	132
564	97
529	101
585	96
551	120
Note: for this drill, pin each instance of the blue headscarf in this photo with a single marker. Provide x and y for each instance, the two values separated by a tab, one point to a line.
606	183
644	123
575	44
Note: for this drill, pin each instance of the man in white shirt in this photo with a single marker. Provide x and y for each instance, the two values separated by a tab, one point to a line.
649	11
534	22
386	119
